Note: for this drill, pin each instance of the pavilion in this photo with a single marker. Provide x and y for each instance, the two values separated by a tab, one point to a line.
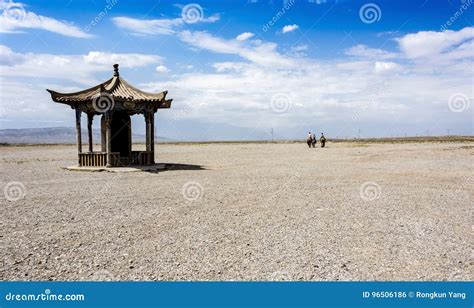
115	100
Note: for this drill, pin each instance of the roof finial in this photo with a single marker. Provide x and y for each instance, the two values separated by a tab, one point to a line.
116	72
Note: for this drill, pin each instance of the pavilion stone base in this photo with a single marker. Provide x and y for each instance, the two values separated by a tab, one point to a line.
150	168
99	159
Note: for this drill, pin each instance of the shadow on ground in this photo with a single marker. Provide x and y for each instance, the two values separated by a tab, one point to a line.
169	167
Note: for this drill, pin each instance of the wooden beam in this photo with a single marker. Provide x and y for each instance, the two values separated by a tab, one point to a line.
152	132
108	127
78	133
147	130
129	127
90	117
103	134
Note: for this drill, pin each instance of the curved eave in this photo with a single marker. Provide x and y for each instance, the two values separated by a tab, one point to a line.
57	97
165	104
117	88
66	98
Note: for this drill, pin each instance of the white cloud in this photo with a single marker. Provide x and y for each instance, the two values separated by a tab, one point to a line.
289	28
244	36
125	59
371	91
164	26
257	51
299	48
152	26
264	54
368	91
8	57
383	67
370	53
15	17
228	66
428	44
78	68
162	69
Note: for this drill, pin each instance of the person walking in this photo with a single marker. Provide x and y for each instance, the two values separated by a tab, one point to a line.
322	140
309	140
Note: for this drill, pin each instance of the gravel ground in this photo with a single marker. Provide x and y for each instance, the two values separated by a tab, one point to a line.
242	212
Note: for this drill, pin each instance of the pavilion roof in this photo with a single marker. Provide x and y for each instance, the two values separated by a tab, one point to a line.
117	88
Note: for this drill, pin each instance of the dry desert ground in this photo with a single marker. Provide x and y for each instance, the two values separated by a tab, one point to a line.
276	211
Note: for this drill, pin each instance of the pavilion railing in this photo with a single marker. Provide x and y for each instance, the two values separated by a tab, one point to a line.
142	158
97	159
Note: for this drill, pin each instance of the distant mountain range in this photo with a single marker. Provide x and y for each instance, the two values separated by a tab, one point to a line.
56	135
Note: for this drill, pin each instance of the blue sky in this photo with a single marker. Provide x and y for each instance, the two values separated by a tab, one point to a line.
237	69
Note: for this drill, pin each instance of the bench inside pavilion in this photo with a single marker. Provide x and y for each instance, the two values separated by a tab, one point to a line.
115	101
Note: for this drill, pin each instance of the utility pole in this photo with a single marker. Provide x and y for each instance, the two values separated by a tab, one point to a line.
448	132
359	133
272	134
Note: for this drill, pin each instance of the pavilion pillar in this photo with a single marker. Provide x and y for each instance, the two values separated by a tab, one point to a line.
148	131
108	129
129	127
90	117
78	134
152	137
103	134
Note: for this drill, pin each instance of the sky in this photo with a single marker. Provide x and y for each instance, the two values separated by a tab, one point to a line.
242	69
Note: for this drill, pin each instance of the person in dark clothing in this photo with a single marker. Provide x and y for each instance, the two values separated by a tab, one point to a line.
313	140
322	140
309	140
